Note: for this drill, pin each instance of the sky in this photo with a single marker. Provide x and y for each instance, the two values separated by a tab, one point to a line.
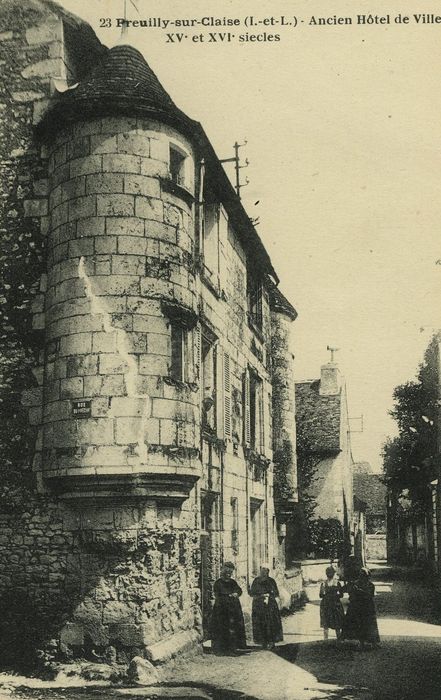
342	123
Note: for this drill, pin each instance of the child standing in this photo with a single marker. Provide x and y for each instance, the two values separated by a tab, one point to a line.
331	609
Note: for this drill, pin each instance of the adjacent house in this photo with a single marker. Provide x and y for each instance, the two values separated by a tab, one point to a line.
370	488
324	436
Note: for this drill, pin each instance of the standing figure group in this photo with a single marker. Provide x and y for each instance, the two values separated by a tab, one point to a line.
227	628
360	621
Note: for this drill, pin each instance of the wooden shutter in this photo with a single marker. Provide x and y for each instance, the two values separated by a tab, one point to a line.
261	418
227	396
246	409
197	370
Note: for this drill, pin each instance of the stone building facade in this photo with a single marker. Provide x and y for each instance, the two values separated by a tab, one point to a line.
323	424
146	356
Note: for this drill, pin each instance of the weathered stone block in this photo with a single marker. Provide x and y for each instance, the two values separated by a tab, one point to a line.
105	183
157	288
103	342
42	69
104	143
85	166
82	365
113	385
160	150
154	364
59	214
105	244
143	185
154	168
149	208
76	344
131	245
128	430
112	364
128	226
137	342
121	163
143	323
81	247
127	406
168	648
158	344
134	143
115	205
160	231
45	33
115	612
114	125
168	432
71	387
95	431
82	207
102	265
141	671
128	265
150	307
116	285
91	227
73	189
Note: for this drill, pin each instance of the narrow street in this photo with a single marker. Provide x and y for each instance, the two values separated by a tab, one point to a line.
305	667
406	667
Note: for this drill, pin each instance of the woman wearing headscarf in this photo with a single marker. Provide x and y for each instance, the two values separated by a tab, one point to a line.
267	623
227	627
361	620
331	609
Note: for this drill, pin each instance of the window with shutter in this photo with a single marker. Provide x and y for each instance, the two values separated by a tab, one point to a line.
227	396
246	409
208	384
197	353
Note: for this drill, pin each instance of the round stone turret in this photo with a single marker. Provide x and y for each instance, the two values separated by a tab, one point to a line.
120	399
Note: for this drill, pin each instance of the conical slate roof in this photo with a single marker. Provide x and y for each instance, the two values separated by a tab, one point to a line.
122	83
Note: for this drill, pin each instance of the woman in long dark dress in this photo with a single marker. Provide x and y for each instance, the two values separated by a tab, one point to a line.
267	623
227	627
361	620
331	609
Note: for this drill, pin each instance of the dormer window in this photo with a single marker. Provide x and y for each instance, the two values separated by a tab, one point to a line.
177	165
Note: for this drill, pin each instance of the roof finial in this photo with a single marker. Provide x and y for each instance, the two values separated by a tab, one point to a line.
332	350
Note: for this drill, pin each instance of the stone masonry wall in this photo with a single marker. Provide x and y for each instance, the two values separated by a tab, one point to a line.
109	580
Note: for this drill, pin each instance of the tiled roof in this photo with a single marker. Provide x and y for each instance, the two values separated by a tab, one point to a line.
318	418
121	83
279	302
369	488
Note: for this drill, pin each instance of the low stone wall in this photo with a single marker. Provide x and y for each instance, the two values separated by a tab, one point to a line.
376	547
105	581
313	570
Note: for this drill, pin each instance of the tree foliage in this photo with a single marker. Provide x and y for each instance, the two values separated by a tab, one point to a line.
410	459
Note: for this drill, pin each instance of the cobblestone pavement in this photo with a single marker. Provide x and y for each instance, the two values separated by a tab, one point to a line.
305	667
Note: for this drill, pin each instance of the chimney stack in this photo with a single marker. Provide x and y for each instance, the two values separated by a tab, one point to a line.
330	379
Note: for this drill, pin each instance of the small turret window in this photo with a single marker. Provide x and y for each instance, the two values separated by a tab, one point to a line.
179	352
177	165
